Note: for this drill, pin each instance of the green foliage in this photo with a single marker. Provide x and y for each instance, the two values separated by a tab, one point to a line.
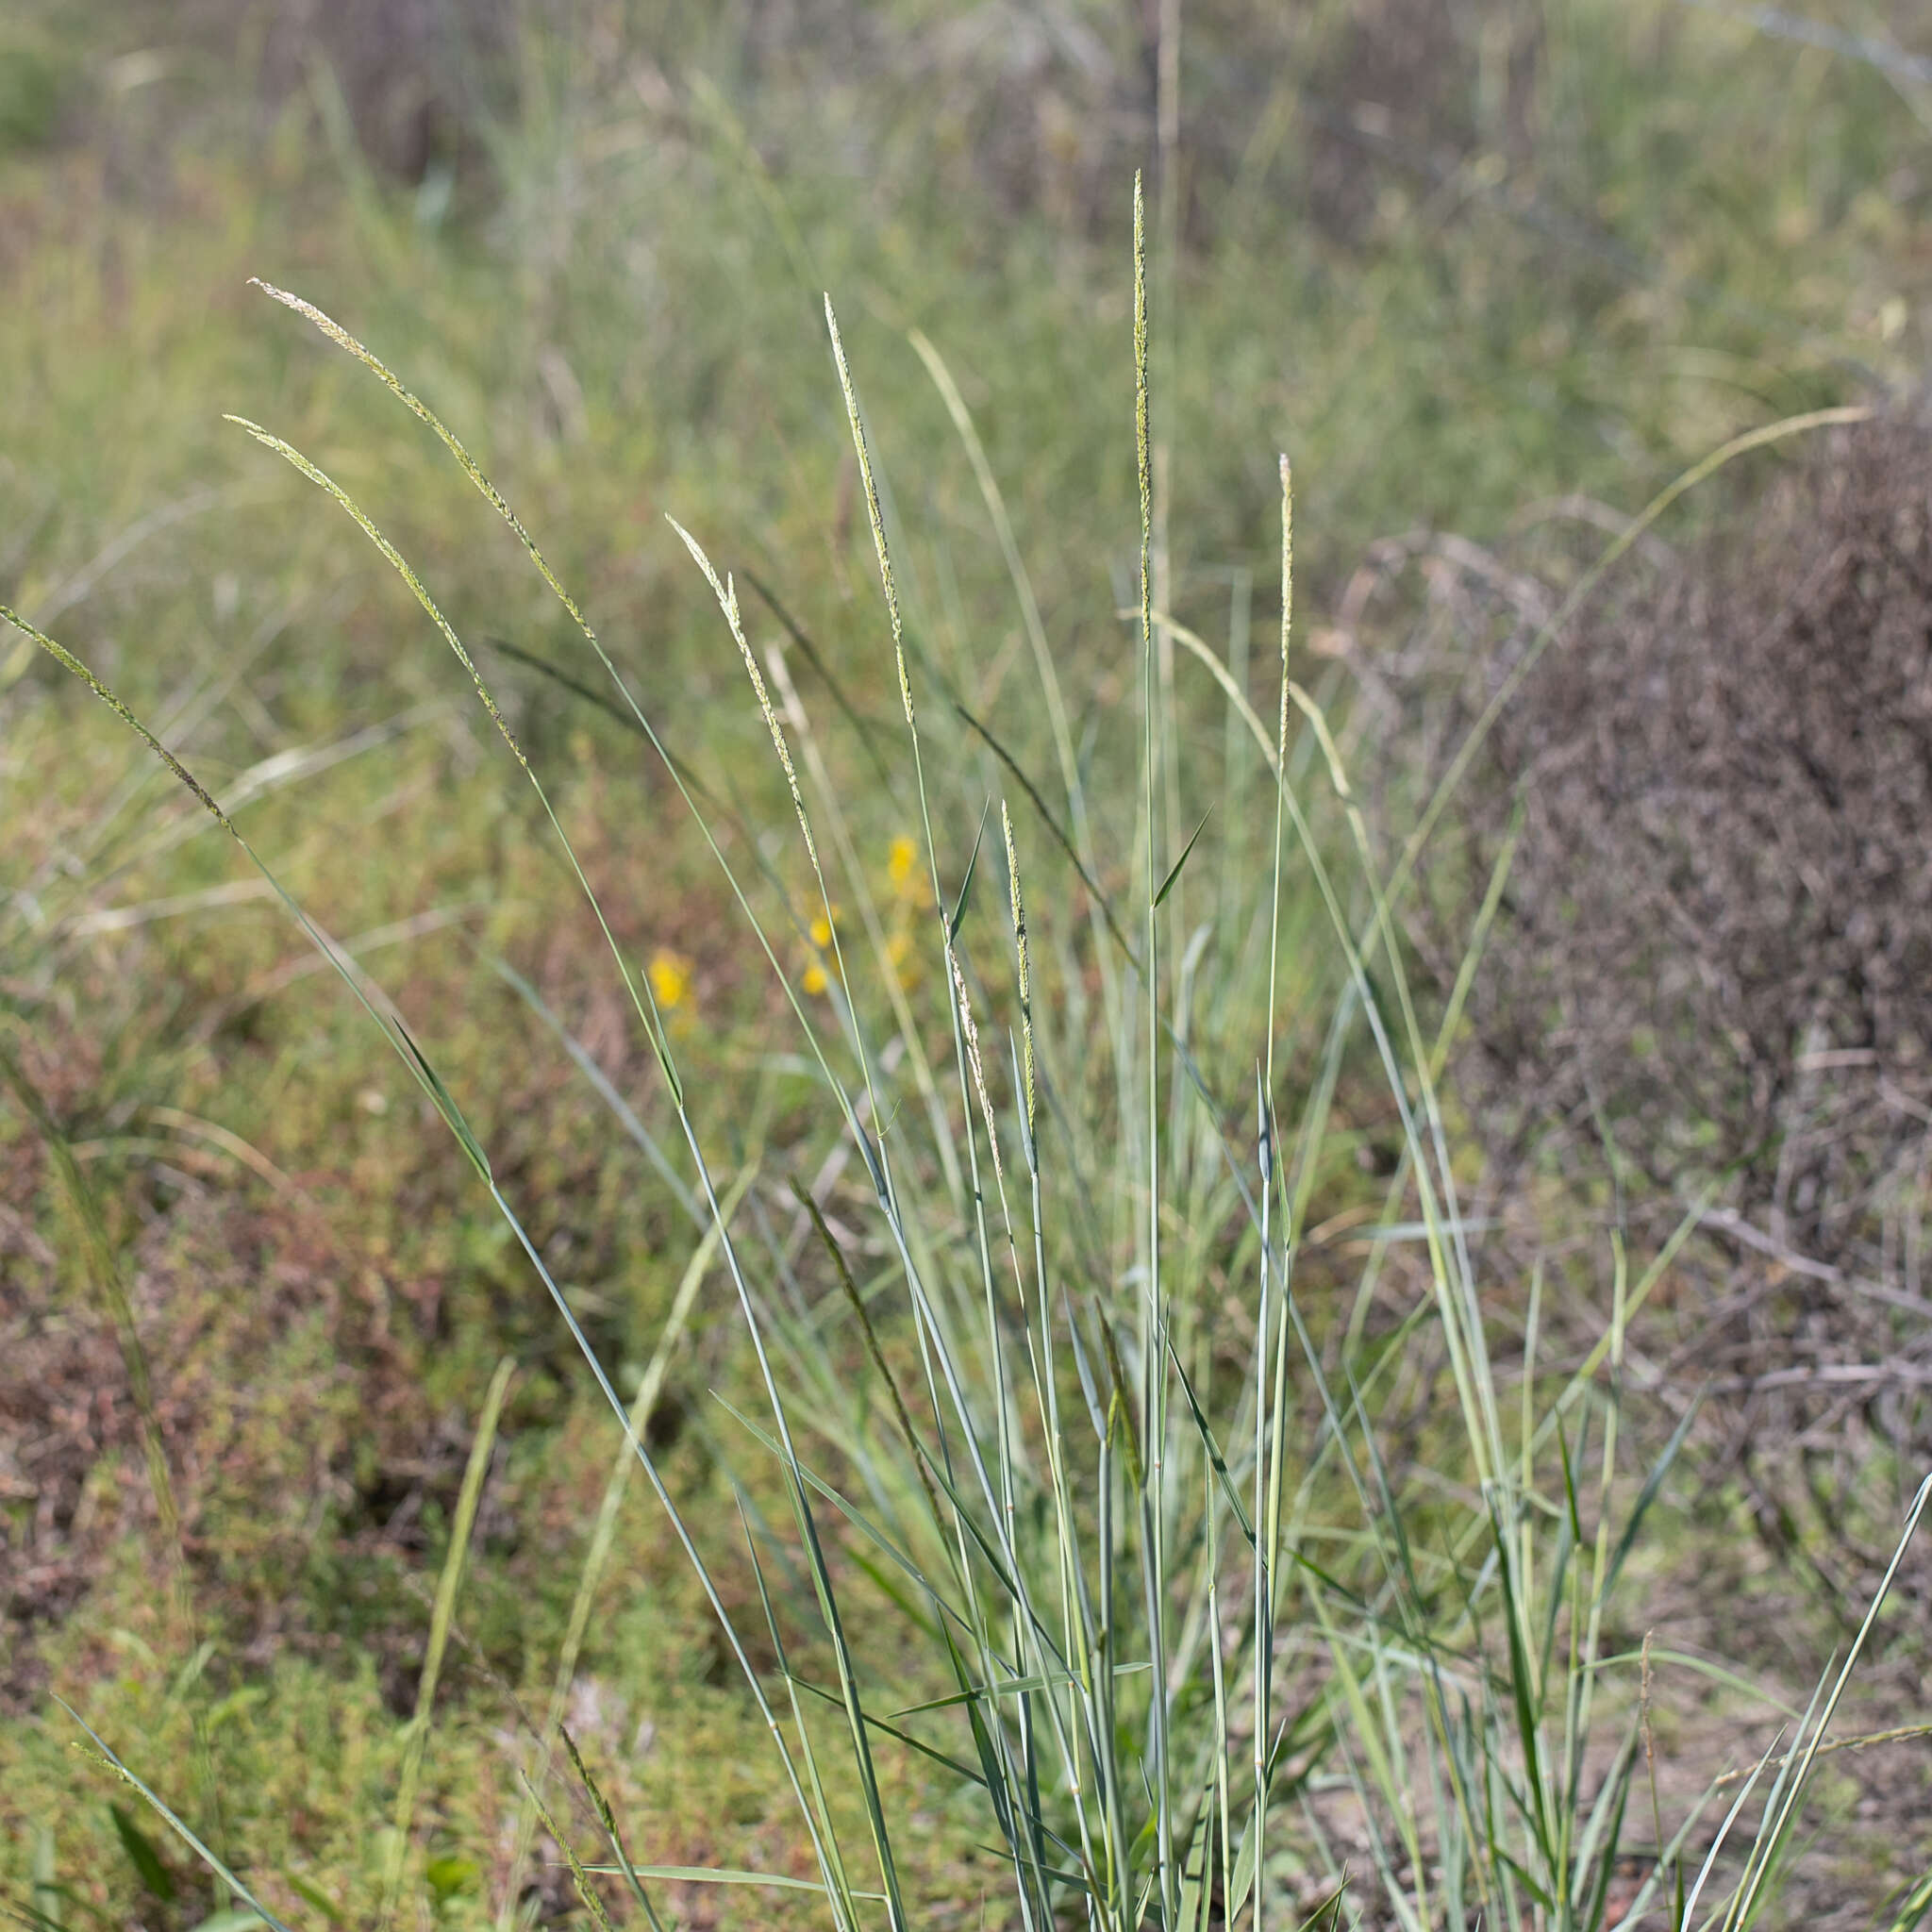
39	76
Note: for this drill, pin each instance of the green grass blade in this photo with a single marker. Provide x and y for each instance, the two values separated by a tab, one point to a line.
102	1755
1173	872
443	1612
580	1876
723	1875
1772	1840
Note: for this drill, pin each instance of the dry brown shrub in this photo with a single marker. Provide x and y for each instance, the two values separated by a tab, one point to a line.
1710	974
1719	921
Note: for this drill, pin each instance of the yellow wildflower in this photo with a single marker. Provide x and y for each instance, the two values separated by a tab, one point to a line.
901	857
669	977
817	978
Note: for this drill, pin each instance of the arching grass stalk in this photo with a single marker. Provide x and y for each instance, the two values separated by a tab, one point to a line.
643	999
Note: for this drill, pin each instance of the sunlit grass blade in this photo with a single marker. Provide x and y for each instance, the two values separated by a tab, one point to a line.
1774	1837
416	1738
607	1819
103	1755
604	1530
727	1876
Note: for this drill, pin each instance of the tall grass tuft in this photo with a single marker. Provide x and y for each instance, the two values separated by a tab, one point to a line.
1066	1423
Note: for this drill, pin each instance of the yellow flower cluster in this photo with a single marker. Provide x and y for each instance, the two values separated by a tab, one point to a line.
669	975
902	899
817	978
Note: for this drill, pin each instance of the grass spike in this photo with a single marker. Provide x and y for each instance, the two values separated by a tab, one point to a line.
390	1022
99	1750
579	1877
873	513
396	562
1153	1322
1019	911
726	594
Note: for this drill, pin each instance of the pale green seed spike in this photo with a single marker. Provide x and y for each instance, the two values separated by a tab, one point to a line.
103	1755
337	334
1019	943
580	1877
1145	473
66	658
727	593
704	564
1145	463
872	510
1281	751
1153	1393
396	560
971	1031
1287	581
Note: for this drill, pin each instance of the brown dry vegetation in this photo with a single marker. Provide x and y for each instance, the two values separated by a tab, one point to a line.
1706	989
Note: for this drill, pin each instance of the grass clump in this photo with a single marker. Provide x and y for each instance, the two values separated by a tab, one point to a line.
1056	1483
